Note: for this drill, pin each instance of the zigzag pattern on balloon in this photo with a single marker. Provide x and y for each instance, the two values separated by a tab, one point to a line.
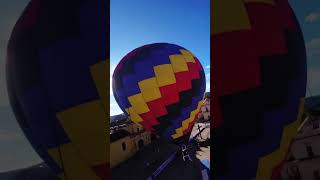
92	150
259	77
239	32
58	94
160	88
268	164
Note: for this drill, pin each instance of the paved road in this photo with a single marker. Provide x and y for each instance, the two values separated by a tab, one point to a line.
137	167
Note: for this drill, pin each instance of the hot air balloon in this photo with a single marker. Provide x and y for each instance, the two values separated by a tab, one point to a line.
161	87
56	75
259	81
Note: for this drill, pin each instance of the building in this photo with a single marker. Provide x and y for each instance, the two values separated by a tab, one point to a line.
205	109
126	138
204	115
303	160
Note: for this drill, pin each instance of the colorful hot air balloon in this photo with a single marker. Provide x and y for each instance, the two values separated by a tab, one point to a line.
161	87
56	74
259	81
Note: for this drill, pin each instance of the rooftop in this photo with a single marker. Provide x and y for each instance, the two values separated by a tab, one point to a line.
119	134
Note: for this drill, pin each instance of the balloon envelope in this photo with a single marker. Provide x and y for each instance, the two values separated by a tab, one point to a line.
259	74
56	73
161	87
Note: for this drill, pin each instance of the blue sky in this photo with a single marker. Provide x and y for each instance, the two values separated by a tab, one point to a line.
308	14
133	24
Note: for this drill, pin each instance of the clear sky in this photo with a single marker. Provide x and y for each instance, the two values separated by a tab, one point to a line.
308	13
136	23
185	23
15	150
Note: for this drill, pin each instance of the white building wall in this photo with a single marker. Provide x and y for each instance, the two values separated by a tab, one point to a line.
299	147
306	169
307	136
205	109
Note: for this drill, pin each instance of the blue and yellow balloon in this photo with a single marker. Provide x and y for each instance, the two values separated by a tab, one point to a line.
259	79
56	74
161	87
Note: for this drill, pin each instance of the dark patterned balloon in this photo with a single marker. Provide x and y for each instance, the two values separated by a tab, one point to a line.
56	74
161	87
259	82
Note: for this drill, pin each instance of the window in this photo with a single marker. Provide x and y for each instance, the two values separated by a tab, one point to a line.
140	144
291	157
309	151
123	146
315	125
295	172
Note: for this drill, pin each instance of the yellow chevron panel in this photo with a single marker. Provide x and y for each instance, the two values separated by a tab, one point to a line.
74	167
189	120
226	18
178	63
270	161
185	123
55	155
178	133
149	89
138	104
194	112
85	126
271	2
134	116
164	74
188	56
99	75
175	136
